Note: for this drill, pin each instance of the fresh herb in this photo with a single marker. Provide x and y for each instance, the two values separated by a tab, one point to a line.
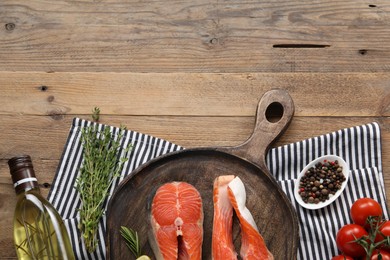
37	243
132	241
96	114
103	163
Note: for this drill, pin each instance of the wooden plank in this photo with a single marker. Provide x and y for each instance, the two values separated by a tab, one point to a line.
191	94
44	138
188	36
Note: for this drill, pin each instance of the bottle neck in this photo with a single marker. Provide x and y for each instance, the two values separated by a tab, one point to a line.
26	183
23	175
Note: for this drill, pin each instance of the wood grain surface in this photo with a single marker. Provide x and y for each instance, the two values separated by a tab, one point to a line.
190	72
202	36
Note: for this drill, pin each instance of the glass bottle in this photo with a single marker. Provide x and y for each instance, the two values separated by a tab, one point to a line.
39	232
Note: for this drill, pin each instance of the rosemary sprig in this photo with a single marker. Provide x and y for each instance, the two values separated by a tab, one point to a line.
132	241
103	163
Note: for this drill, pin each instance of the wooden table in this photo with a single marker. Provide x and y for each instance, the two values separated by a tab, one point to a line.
190	72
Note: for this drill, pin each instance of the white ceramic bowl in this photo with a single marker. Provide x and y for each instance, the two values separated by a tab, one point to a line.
332	198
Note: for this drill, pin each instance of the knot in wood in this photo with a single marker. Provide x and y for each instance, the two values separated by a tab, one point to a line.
9	26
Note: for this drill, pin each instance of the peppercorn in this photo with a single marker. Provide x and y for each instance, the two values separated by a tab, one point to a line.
321	181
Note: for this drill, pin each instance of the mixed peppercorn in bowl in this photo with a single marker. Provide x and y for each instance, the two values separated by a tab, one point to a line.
321	182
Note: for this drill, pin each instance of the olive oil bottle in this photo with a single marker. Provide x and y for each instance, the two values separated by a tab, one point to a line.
39	232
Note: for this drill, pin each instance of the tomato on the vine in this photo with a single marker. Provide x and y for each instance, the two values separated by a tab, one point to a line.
342	257
383	232
375	255
346	240
363	208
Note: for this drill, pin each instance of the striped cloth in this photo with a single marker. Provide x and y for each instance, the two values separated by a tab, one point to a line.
360	147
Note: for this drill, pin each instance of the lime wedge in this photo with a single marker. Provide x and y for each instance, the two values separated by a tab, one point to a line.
143	257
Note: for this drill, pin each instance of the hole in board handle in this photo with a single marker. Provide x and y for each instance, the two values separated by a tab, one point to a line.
274	112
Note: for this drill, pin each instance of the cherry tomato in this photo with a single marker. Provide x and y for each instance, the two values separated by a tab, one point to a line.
345	240
384	231
342	257
363	208
385	255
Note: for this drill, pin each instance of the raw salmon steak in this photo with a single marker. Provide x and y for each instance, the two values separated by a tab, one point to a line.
252	243
222	237
177	222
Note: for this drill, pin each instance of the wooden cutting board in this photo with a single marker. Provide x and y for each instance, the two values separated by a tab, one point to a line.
277	221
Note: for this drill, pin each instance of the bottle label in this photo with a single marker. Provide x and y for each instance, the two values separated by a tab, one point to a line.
29	179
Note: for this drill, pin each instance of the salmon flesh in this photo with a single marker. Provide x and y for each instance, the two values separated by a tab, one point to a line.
222	236
177	222
252	243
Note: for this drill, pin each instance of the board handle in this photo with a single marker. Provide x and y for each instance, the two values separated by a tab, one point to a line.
274	114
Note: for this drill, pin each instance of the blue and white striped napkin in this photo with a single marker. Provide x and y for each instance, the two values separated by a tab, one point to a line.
360	146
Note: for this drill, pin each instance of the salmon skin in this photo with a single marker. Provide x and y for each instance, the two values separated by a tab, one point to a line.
252	243
177	222
222	236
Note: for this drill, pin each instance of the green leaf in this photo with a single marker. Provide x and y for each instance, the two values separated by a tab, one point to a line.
132	241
